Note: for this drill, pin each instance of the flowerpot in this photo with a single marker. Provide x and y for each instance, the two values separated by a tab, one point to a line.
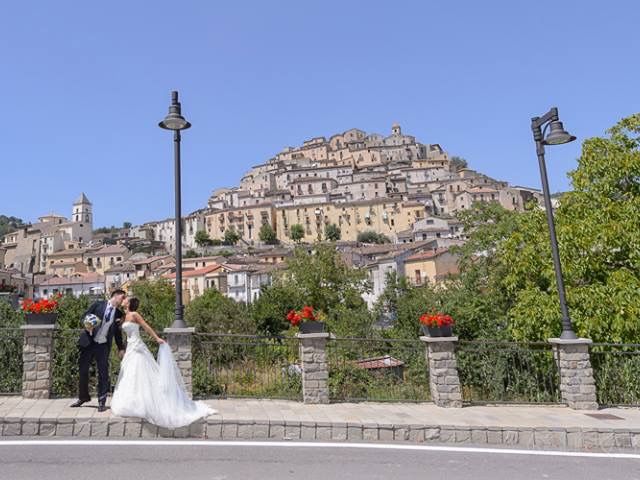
443	331
41	318
312	327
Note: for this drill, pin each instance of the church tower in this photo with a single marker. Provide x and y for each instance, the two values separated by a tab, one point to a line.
82	210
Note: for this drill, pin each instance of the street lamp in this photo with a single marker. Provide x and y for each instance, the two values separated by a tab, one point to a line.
176	122
557	136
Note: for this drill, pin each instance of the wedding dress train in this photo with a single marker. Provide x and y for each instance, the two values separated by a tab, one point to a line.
153	390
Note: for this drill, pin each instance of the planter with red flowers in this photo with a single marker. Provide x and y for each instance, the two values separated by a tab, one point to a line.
307	320
42	312
437	324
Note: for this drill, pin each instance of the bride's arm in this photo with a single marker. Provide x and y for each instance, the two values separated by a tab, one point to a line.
147	328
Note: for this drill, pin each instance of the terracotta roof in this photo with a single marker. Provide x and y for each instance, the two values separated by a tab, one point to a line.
70	251
146	261
76	279
111	249
386	361
427	254
194	273
121	267
482	190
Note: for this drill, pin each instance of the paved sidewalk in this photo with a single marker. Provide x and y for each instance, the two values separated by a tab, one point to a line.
522	426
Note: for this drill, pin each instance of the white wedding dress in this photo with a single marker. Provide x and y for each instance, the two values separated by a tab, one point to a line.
153	390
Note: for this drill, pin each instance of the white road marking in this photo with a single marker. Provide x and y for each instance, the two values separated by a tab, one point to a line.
316	445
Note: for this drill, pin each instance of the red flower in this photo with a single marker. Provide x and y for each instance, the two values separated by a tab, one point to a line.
41	306
296	317
307	313
436	320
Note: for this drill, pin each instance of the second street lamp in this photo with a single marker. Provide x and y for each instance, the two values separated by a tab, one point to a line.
557	136
176	122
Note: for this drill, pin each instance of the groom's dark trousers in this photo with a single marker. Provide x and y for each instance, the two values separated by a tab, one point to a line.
91	350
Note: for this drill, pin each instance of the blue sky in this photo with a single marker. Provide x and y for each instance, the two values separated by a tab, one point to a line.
84	84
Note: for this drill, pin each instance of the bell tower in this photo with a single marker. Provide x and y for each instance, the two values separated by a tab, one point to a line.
82	210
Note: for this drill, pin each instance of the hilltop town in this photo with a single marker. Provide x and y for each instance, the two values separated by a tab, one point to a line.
391	190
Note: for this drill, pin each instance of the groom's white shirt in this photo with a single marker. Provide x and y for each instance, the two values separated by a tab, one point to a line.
101	335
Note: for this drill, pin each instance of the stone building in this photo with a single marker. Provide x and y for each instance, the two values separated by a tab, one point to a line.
27	249
359	182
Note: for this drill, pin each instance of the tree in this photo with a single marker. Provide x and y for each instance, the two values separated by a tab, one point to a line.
157	301
126	225
9	224
370	236
296	233
202	238
322	279
268	234
458	163
269	310
475	297
599	240
332	232
9	317
191	254
212	312
231	237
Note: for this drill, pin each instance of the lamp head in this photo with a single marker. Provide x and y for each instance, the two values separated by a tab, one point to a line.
557	134
174	119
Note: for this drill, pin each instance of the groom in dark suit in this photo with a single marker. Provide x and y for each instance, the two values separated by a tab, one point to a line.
96	344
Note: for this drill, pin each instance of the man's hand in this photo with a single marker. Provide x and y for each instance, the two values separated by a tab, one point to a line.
121	354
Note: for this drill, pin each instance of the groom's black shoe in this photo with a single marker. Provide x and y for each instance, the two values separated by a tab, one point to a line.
78	403
102	407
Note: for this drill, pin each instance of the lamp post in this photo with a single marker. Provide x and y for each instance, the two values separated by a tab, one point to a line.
557	136
176	122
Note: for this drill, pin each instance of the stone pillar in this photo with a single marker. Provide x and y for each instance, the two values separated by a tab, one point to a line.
179	339
443	371
577	385
315	371
37	360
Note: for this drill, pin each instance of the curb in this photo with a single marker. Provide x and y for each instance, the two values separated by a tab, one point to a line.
217	428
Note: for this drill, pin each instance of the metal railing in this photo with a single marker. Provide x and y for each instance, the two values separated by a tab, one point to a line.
11	361
367	369
507	372
227	365
65	363
616	370
360	369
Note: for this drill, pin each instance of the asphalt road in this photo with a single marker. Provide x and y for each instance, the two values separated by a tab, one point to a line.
197	460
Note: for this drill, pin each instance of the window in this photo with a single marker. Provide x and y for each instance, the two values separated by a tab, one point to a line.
418	277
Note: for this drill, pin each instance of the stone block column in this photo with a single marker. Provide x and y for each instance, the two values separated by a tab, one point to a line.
443	371
577	385
179	339
315	370
37	360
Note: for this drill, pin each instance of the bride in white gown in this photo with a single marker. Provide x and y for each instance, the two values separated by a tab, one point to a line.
149	389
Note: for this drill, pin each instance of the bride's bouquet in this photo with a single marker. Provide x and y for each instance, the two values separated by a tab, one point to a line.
91	321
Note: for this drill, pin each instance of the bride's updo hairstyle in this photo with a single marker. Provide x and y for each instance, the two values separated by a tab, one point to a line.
134	303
